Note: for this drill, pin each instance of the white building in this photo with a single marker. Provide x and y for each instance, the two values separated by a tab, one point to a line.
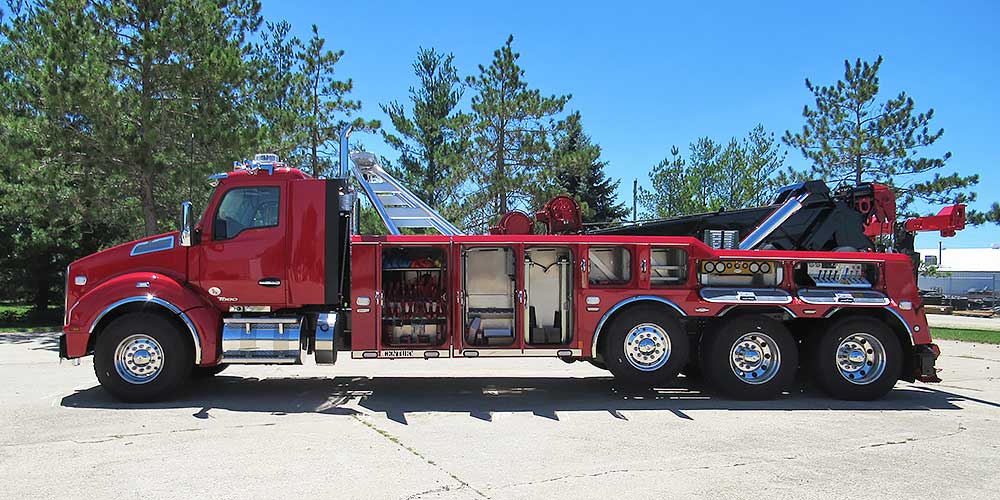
970	269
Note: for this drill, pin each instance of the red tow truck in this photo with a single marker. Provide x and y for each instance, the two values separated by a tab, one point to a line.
275	269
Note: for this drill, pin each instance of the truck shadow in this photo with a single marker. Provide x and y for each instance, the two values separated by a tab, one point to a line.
45	341
481	397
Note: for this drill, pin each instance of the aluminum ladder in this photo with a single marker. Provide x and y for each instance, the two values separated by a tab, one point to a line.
397	206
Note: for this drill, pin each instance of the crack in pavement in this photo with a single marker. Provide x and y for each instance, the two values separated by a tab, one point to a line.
623	471
961	428
113	437
977	358
395	440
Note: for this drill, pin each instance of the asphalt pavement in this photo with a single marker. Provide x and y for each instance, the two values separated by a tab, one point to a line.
487	428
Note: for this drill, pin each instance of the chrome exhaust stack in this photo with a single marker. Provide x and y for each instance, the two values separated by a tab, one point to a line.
325	345
345	156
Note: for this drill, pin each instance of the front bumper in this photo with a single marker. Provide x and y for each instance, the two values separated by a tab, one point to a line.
62	346
924	357
72	345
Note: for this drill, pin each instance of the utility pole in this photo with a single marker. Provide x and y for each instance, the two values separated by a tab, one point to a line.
635	196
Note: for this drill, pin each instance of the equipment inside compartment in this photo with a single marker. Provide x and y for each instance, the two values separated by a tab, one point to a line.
489	284
548	287
414	281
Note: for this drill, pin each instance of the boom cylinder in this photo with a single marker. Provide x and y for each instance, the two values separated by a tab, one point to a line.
773	221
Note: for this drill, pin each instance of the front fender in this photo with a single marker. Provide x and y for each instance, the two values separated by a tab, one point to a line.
147	290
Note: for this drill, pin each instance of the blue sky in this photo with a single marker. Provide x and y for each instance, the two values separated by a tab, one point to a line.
647	76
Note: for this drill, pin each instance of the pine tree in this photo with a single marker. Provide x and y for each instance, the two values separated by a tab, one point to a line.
578	171
327	107
511	127
714	177
764	158
280	94
170	104
433	139
61	199
671	194
852	137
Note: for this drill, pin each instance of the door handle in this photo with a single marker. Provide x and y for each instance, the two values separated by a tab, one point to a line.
271	282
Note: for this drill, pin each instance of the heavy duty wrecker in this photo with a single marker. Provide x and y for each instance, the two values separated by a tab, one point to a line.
819	280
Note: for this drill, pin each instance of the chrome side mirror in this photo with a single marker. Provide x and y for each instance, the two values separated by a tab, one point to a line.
186	230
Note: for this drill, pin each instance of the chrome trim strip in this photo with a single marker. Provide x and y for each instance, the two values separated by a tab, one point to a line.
760	304
172	308
868	299
266	321
776	295
906	325
157	245
909	329
604	319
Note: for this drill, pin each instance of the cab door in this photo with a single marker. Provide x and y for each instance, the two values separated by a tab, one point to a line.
241	259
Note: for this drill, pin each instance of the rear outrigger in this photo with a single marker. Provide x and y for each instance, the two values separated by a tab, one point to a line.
275	269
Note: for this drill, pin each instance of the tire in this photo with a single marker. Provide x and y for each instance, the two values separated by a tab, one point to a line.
838	367
750	357
203	372
142	357
661	355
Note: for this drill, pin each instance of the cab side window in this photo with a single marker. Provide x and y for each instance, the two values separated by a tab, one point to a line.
246	208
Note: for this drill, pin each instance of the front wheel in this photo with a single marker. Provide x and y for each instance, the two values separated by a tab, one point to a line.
751	357
645	346
857	359
141	357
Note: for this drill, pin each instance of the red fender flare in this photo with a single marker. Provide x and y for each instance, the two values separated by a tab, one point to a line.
156	290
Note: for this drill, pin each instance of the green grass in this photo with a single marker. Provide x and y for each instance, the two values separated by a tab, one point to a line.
18	318
981	336
30	329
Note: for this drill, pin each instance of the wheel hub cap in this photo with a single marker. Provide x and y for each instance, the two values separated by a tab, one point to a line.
647	347
856	356
755	358
861	358
138	359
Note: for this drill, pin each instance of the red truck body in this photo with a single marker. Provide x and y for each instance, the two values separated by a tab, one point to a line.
294	278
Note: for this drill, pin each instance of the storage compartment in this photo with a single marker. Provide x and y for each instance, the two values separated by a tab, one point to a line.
740	273
414	288
668	266
836	274
548	277
610	266
489	284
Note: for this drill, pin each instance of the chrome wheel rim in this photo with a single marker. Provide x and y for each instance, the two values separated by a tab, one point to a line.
755	358
647	347
861	358
139	359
